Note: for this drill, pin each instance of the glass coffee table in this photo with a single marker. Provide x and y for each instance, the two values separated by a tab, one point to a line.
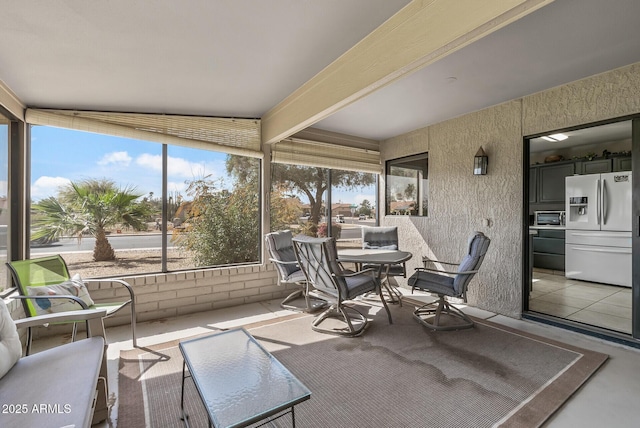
239	382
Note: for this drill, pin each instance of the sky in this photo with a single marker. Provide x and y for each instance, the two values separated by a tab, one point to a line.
59	156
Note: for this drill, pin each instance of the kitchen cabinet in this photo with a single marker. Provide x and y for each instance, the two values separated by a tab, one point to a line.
549	249
551	182
601	166
622	164
546	181
597	166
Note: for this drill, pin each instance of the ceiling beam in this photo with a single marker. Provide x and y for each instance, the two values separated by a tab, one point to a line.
11	102
421	33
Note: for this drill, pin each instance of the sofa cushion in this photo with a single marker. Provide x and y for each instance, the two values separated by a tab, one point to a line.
10	346
57	386
74	287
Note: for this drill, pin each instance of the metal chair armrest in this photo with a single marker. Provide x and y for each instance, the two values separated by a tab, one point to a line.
465	272
280	262
39	320
426	259
77	300
92	318
346	275
132	302
125	284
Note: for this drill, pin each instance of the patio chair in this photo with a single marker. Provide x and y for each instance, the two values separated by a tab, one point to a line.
451	283
45	286
385	238
282	255
318	260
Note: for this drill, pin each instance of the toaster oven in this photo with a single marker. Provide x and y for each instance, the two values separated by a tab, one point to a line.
549	218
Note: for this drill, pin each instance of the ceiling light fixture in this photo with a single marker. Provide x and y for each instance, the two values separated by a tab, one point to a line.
555	137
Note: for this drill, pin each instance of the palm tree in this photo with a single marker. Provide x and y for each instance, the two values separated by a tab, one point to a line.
92	206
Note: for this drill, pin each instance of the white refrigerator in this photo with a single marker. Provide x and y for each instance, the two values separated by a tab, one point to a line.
598	228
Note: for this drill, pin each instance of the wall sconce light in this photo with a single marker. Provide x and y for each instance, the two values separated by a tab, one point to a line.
480	162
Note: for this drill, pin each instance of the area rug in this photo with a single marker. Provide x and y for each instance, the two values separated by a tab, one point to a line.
398	375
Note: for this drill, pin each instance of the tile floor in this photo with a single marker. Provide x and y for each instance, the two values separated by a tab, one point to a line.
602	305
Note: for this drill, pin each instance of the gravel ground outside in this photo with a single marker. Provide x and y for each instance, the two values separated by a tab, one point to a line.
128	262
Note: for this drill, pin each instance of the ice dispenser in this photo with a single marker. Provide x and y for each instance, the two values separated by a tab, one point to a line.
578	208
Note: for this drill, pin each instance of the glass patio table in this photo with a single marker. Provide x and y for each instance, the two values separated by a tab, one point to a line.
239	382
381	257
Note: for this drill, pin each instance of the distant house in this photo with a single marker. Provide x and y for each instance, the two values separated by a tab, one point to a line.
402	207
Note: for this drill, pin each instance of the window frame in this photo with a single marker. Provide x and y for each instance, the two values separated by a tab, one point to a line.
165	153
421	181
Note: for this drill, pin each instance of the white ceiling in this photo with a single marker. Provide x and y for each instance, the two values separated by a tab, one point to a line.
240	58
608	133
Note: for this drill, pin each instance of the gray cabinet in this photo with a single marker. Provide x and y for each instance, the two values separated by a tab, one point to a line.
597	166
551	182
622	164
546	181
549	249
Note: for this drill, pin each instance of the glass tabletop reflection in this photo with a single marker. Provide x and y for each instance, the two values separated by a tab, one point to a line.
239	381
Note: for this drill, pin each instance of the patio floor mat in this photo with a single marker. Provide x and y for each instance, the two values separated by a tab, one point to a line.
398	375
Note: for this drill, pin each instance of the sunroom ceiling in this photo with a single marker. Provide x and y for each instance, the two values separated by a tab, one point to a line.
231	58
241	58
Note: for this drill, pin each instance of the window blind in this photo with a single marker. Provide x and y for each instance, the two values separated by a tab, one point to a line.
325	155
228	135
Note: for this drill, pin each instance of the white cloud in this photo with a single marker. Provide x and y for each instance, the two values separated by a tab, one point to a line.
116	158
152	162
176	187
178	167
45	186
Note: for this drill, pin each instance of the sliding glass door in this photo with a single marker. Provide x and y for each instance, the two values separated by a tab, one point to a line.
580	269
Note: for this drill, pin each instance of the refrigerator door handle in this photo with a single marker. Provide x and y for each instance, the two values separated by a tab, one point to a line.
604	201
598	205
612	250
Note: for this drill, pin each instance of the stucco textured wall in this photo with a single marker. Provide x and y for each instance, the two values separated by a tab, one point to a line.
600	97
459	201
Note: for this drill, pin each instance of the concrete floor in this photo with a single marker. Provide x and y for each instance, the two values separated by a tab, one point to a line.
608	399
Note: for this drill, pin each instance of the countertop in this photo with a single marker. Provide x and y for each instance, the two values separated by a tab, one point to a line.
547	227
